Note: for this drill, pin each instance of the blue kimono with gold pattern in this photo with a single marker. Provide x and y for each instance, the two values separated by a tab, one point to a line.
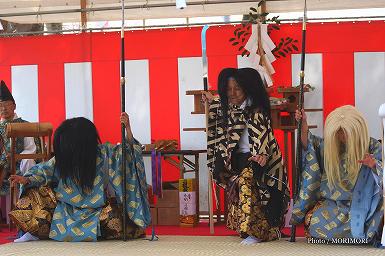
353	212
76	216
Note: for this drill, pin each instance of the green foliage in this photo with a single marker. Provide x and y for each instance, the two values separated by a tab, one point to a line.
242	32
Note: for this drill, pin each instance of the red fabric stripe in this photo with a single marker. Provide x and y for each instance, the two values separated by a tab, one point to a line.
342	37
6	236
166	43
5	75
221	54
338	86
282	77
106	98
164	94
218	41
216	64
45	49
164	106
51	93
336	37
148	44
106	46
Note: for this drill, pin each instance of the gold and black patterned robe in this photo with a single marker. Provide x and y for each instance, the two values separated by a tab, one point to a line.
260	202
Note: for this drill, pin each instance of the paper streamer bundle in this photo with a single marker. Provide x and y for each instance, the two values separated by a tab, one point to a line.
260	47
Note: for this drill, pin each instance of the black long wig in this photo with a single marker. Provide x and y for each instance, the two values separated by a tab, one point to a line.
252	85
75	147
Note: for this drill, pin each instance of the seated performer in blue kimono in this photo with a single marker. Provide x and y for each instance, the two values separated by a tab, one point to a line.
77	195
341	187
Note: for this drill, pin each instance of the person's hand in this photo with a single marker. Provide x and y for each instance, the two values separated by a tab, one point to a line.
368	160
260	159
125	119
207	96
298	116
17	179
234	177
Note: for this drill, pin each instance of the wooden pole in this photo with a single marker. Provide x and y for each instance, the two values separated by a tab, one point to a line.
123	128
296	179
83	15
205	86
381	113
210	182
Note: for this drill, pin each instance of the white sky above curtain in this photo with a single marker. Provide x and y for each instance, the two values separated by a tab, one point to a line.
216	8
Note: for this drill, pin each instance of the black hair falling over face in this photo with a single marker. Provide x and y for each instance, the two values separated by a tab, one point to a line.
223	79
252	85
75	147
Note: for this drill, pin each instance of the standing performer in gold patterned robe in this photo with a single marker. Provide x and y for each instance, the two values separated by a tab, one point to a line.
244	156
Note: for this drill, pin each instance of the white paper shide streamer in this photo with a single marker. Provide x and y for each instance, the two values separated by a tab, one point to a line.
266	69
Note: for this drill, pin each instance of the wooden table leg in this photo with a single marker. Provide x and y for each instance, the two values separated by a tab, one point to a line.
293	164
217	203
286	148
196	173
181	166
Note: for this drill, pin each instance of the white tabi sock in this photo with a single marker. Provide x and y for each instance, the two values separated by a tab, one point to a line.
25	238
251	240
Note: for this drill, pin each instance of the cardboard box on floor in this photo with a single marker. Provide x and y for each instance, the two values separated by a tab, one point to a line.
168	216
168	205
170	195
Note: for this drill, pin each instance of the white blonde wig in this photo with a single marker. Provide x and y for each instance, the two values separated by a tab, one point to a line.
349	121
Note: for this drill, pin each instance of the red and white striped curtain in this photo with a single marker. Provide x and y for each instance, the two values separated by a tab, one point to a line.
62	76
